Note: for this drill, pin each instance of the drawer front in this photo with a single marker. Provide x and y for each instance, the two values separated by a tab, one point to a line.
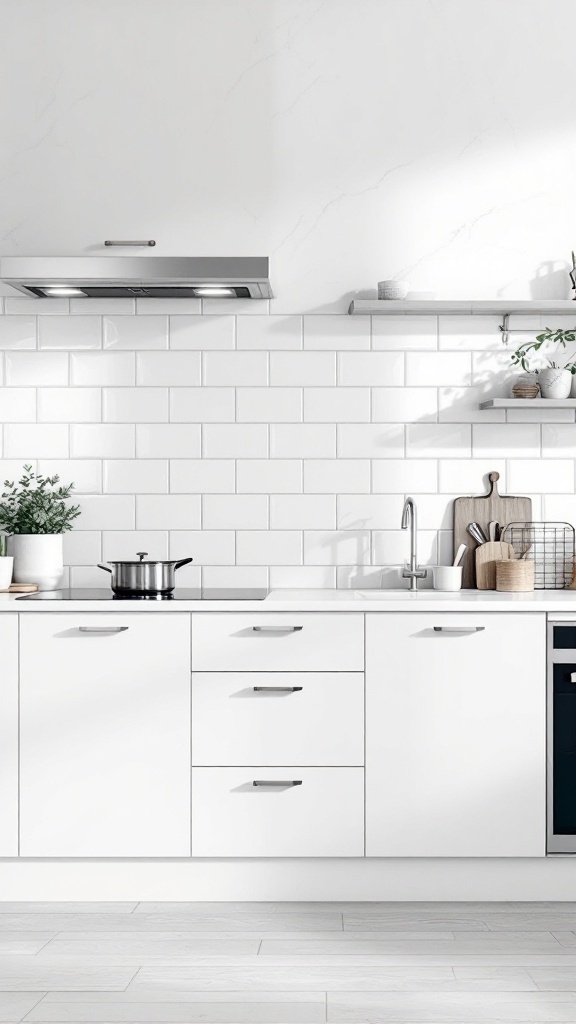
323	816
276	718
277	641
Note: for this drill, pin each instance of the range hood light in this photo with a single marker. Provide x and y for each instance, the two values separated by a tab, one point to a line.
60	290
214	290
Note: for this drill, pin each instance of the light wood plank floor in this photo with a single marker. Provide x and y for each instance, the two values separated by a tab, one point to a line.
288	963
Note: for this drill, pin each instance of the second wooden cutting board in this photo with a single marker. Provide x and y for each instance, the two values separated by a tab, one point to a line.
484	509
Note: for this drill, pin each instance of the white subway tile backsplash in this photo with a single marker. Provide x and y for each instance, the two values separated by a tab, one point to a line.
337	476
135	476
107	512
235	368
147	306
21	304
469	333
392	547
202	476
369	511
560	508
267	476
268	547
337	547
68	332
102	441
135	332
18	405
102	368
169	369
438	369
135	405
235	511
167	441
219	576
237	307
370	441
81	306
515	441
35	441
124	544
235	441
371	369
337	405
559	442
462	405
82	547
321	577
269	333
435	511
302	369
18	332
69	405
206	547
36	369
263	405
201	333
88	577
548	476
202	405
404	405
302	512
405	332
470	476
85	474
335	332
168	512
394	476
302	441
439	440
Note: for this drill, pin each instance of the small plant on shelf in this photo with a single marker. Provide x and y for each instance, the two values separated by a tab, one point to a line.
36	505
554	379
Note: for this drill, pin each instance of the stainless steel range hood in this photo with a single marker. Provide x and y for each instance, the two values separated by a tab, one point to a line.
169	277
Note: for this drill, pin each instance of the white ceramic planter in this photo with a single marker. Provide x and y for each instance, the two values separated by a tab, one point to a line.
38	558
555	383
6	567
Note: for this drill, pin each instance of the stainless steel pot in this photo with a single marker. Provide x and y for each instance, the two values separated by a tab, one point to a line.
140	577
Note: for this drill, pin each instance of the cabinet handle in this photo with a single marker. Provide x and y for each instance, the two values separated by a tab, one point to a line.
277	689
459	629
277	629
102	629
145	241
277	782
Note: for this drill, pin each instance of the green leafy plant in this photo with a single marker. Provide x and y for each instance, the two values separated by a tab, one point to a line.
36	505
549	338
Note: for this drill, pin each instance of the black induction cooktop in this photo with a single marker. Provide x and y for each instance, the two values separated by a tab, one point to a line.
192	594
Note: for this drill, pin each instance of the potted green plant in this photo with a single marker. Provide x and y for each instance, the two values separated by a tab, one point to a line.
555	381
6	563
36	513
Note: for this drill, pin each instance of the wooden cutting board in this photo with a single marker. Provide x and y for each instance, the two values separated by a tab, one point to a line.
486	557
484	509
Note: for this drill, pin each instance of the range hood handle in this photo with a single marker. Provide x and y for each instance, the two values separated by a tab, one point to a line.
149	241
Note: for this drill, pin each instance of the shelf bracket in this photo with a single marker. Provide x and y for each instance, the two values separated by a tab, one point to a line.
505	328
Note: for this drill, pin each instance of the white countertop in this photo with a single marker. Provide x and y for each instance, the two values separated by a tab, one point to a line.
557	601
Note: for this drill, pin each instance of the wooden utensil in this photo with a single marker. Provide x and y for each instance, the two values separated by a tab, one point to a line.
484	509
459	555
486	557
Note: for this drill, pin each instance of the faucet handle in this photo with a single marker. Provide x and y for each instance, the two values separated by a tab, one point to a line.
417	574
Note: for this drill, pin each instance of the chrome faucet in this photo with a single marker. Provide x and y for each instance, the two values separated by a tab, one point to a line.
411	571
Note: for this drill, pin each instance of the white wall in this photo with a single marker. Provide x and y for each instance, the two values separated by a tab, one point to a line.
348	141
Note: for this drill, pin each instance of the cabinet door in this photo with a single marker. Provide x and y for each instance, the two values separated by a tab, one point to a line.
8	735
105	735
455	746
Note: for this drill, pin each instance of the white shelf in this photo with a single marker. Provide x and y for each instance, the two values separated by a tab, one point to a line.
529	403
462	307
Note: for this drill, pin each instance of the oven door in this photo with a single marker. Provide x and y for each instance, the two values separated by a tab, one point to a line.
561	766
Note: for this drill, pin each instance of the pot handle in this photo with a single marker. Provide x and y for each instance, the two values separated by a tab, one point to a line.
105	567
183	561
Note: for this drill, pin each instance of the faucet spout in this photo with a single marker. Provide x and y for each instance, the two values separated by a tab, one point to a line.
411	570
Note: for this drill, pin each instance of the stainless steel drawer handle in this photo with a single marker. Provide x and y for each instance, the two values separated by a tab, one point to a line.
277	629
459	629
277	689
277	782
102	629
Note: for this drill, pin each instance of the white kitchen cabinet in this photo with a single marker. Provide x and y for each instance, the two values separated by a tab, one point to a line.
278	642
8	735
455	744
276	718
104	735
291	812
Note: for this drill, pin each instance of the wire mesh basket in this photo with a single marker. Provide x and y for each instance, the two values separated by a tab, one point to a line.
550	546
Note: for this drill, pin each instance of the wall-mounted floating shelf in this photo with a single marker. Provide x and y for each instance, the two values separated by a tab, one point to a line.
461	307
529	403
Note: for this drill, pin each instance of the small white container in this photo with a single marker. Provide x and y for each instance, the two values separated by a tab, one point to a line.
447	577
392	289
555	383
38	558
6	567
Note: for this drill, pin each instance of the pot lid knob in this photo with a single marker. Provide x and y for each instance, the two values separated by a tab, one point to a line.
142	555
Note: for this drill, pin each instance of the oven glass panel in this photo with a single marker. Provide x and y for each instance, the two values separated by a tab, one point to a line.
564	744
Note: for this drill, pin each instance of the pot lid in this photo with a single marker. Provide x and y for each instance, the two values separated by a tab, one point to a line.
142	560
